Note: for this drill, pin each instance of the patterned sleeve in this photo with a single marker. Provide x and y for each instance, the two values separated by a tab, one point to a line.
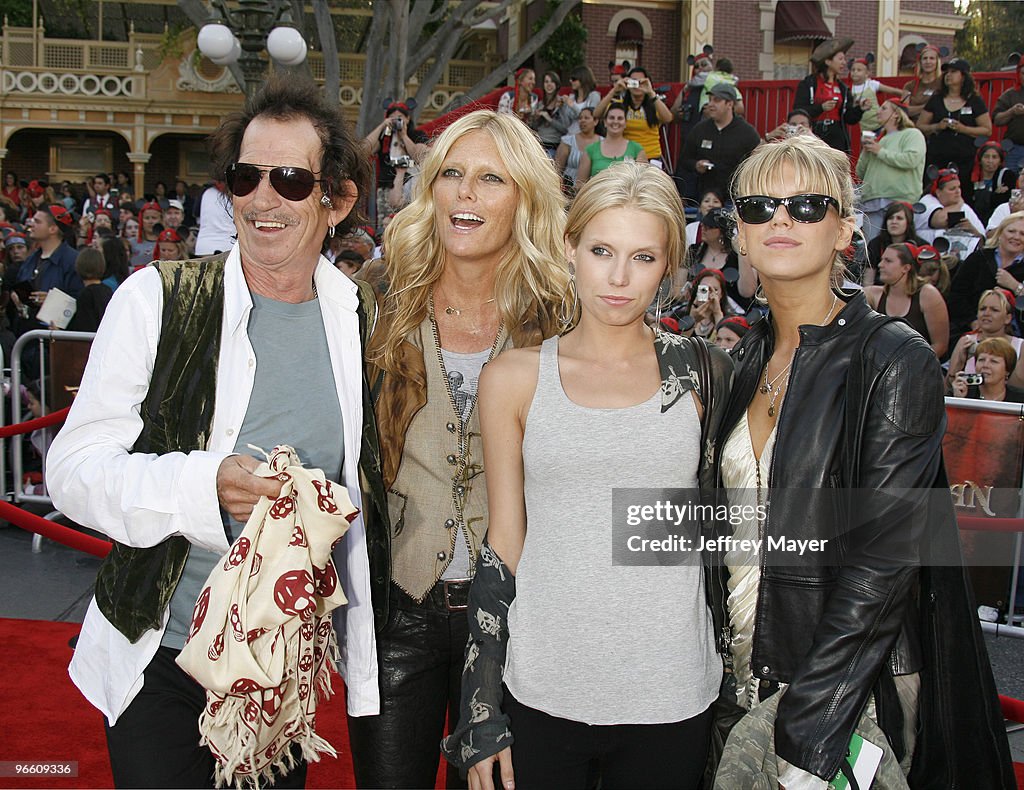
483	729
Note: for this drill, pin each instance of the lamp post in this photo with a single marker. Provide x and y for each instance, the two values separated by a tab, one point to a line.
240	36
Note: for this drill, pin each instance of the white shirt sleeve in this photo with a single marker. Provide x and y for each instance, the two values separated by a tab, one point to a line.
138	499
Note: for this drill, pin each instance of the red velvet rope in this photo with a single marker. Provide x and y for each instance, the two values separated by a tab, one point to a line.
45	421
53	531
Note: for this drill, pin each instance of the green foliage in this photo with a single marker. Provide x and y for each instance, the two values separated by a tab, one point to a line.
172	43
565	50
18	12
994	29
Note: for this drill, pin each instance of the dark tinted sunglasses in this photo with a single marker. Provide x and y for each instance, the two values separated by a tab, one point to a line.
291	183
758	209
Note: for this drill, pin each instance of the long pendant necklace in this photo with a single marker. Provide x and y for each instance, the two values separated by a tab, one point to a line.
773	388
463	459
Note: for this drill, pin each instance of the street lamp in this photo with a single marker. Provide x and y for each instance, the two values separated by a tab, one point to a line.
238	36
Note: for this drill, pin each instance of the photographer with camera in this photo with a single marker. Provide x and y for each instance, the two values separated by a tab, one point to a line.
646	111
995	360
397	144
995	320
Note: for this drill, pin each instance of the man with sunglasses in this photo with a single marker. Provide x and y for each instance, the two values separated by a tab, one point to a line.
194	363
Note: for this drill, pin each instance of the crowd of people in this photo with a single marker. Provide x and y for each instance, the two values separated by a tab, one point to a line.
520	345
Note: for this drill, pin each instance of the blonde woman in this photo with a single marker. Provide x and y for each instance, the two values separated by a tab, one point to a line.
588	675
832	405
474	267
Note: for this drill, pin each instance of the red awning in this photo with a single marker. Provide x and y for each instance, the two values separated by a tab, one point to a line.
629	32
799	20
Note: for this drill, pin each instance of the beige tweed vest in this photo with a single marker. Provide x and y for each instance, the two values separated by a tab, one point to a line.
440	484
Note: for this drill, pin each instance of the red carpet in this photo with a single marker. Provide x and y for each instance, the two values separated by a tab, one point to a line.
44	717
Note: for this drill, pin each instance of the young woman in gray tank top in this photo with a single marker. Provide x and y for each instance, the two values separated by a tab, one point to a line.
607	665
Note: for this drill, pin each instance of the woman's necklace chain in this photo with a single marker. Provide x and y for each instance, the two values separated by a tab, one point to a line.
452	310
444	371
773	388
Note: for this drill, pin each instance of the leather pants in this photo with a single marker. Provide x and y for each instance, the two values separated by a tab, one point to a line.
420	654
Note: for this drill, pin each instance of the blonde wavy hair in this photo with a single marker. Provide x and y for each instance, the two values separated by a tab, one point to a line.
636	186
997	234
818	167
531	276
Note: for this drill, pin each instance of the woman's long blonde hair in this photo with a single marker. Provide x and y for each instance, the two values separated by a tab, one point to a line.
532	275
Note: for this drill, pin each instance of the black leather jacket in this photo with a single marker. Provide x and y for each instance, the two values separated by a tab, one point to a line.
827	623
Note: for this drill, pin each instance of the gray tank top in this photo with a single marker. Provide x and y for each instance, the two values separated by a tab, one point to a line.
591	642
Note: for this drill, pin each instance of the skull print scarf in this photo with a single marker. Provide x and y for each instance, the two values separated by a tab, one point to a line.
261	641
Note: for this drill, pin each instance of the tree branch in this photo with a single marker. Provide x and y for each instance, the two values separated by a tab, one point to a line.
452	26
535	42
329	48
373	74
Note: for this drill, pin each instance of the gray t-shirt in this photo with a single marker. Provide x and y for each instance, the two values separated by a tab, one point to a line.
294	401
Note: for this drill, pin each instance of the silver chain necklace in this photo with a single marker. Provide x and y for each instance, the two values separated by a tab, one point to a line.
775	386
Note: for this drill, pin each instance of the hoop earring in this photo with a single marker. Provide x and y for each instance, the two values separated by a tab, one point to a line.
565	317
330	232
759	296
742	250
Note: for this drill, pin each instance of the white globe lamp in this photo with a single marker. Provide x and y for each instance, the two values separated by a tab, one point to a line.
287	46
215	40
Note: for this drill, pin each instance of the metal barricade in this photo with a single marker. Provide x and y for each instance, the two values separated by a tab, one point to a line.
42	337
1017	409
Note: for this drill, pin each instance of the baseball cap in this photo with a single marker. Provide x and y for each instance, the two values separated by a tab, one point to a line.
175	204
723	90
36	188
957	63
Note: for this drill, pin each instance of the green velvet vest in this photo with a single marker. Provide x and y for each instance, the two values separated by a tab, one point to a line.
135	585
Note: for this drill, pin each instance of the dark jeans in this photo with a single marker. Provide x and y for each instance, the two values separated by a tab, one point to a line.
420	654
155	742
555	753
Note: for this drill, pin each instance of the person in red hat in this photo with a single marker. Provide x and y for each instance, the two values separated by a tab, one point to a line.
947	215
865	90
992	179
170	246
52	264
144	245
904	294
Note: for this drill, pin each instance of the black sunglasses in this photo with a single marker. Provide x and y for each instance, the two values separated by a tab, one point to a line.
291	183
758	209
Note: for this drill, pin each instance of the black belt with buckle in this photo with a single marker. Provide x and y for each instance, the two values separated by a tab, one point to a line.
456	594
